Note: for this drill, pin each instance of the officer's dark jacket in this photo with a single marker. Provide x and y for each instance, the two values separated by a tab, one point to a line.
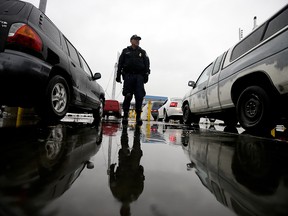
133	61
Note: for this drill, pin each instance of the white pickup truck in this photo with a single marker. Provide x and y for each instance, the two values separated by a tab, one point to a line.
248	83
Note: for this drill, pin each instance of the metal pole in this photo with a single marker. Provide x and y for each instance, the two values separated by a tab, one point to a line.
42	5
109	154
114	81
114	78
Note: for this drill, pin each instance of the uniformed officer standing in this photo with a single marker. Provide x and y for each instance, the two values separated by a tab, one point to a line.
134	66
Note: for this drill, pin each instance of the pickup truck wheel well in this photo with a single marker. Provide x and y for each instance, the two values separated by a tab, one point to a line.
255	79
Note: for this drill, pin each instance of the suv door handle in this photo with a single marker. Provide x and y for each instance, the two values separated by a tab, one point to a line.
204	88
73	64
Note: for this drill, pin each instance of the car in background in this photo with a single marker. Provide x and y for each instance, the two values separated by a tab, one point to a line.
41	69
171	109
154	109
112	108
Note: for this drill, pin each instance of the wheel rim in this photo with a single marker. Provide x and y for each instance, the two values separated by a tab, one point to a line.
59	97
253	108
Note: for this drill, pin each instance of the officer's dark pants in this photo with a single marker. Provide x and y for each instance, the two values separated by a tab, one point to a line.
133	85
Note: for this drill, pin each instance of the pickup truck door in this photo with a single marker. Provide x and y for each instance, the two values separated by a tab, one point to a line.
198	94
213	85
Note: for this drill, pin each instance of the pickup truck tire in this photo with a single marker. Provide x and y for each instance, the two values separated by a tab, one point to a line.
254	109
188	117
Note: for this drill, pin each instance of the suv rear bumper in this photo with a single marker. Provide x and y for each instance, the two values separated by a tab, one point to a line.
21	77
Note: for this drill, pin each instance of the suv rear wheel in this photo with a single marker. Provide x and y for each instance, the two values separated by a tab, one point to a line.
56	101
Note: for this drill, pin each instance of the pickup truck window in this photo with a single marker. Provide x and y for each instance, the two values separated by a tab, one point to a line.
277	23
217	64
247	43
205	75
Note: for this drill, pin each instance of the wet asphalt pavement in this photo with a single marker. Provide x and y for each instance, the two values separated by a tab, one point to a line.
158	169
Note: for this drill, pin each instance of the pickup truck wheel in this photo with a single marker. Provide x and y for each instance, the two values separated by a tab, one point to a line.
56	101
254	109
188	117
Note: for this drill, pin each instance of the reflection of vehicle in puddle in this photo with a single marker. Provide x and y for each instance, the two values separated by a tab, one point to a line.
172	133
40	164
110	128
245	173
153	134
162	133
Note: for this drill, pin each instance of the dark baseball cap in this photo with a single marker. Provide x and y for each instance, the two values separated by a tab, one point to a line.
135	37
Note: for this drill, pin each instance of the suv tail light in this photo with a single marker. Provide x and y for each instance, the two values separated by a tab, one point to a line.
173	104
24	35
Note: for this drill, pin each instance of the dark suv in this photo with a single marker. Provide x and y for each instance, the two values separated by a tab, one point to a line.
40	68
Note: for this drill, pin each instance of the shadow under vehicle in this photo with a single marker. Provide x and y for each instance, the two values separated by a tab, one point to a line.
245	173
39	164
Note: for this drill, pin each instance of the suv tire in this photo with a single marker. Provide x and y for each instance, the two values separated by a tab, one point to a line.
57	98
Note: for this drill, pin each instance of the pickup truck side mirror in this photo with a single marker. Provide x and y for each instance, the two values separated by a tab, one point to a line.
97	76
191	84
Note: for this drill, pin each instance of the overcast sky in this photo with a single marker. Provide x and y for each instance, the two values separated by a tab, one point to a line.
181	37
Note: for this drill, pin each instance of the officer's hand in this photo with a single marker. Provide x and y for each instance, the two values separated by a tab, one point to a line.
118	79
146	78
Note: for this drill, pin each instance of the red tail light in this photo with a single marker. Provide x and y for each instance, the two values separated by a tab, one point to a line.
24	35
173	104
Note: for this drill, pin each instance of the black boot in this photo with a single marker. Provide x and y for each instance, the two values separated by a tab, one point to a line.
125	118
138	118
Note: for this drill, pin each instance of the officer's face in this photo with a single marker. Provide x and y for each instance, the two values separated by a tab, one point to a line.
135	42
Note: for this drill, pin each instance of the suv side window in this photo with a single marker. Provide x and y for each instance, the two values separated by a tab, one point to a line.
73	52
49	28
46	25
277	23
85	65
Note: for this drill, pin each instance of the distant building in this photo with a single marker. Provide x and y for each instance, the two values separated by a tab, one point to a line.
153	98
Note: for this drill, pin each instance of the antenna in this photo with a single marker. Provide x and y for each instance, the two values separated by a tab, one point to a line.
255	22
240	33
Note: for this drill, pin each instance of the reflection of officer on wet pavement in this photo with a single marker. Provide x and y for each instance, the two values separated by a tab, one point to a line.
127	182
